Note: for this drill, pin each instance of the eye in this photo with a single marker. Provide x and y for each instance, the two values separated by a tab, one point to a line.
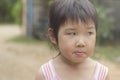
89	33
71	33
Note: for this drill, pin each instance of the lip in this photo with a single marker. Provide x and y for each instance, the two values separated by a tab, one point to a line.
79	53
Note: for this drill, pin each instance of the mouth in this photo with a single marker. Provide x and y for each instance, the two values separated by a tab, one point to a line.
79	53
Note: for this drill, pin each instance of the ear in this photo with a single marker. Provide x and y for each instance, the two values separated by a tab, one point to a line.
51	36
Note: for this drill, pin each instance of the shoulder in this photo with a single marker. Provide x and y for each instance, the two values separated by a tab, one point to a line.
107	77
40	75
102	66
98	64
102	71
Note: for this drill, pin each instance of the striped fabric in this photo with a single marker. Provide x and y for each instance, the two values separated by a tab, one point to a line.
100	72
50	73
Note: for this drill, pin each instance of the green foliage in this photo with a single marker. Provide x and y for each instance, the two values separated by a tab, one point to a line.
6	11
17	11
50	2
105	25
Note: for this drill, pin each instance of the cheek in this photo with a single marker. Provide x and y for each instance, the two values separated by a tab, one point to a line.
65	46
91	45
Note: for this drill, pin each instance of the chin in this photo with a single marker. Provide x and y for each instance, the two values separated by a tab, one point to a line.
78	61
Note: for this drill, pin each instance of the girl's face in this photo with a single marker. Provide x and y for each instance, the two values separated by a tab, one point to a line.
76	40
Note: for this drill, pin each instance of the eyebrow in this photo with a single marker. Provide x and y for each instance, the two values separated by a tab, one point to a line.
70	29
91	27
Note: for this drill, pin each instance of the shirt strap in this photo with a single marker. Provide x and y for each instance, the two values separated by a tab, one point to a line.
101	72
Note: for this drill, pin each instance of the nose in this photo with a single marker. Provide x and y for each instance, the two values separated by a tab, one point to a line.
80	42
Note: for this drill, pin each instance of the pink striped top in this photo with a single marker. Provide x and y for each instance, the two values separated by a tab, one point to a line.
50	73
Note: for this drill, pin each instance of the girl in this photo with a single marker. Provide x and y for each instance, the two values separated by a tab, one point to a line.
72	28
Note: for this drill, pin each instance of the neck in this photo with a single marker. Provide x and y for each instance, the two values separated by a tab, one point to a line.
67	62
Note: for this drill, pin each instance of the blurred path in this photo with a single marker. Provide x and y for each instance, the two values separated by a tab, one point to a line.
19	61
8	31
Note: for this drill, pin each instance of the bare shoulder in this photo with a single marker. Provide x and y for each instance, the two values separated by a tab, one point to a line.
40	75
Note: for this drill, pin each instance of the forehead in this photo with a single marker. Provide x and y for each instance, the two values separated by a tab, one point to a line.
79	23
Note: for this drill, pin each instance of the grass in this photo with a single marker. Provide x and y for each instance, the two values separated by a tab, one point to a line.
108	52
24	39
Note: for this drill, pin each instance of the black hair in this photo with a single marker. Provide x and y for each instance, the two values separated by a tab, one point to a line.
62	10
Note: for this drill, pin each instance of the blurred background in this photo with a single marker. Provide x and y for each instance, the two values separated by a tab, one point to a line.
24	44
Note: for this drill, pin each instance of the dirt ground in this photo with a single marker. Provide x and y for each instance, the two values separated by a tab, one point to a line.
21	61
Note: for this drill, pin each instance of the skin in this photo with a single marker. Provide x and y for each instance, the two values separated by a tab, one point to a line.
75	38
76	43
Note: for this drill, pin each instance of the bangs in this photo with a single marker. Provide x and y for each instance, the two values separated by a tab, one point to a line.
74	10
